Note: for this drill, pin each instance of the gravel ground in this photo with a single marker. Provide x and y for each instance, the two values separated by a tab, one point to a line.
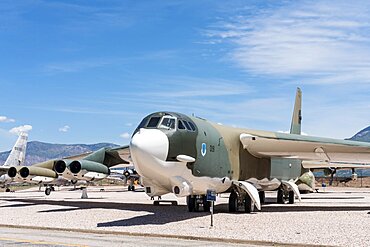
338	216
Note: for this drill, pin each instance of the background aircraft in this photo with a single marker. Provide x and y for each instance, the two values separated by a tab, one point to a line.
15	159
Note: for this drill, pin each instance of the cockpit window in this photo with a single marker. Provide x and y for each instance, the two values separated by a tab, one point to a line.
168	123
192	126
181	125
153	122
187	125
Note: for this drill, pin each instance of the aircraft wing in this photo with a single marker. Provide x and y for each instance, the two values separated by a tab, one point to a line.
307	148
124	153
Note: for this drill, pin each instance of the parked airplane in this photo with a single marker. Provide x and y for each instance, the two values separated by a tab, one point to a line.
16	158
89	167
188	155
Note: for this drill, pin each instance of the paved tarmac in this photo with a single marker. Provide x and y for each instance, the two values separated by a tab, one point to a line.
336	216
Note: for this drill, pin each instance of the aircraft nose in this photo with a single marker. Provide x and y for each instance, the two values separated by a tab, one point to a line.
150	141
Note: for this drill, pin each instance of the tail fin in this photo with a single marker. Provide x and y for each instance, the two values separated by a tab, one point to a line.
295	127
18	153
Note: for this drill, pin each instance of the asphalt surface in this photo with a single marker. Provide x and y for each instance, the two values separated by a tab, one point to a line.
336	216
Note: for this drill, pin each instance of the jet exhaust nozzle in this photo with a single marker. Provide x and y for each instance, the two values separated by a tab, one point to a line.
24	172
12	172
60	166
75	167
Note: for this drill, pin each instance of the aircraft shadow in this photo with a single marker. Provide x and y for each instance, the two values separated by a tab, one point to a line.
159	215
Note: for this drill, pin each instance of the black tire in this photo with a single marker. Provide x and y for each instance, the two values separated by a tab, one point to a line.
233	202
248	207
7	190
129	188
132	188
262	196
280	196
206	204
291	197
47	191
190	201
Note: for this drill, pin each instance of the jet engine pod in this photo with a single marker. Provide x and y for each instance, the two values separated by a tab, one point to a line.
60	166
12	172
77	165
24	172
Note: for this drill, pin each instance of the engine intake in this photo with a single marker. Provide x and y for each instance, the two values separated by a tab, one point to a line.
24	172
75	166
12	172
60	166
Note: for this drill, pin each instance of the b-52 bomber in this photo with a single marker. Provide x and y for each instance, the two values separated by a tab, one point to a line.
187	155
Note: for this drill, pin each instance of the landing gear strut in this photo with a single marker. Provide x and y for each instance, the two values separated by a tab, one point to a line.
194	202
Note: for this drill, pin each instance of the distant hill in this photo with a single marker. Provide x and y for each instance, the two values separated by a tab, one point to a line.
40	151
363	135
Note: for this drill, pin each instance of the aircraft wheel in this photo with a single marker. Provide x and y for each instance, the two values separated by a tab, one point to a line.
248	206
133	188
233	202
129	188
291	197
47	191
262	196
206	204
280	196
7	190
191	200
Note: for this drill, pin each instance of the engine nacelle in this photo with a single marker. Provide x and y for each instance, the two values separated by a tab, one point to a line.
77	166
27	171
60	166
12	172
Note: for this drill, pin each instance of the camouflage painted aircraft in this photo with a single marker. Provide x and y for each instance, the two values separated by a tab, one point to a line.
16	158
188	155
89	167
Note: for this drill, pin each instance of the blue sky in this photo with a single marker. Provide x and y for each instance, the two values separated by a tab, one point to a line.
89	71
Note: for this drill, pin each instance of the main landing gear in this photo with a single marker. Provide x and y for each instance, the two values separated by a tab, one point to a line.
285	196
239	201
195	202
49	189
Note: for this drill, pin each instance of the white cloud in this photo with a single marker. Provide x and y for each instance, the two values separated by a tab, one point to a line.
125	135
5	119
325	41
19	129
65	128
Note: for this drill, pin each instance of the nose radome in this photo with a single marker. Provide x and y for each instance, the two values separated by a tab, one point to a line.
151	141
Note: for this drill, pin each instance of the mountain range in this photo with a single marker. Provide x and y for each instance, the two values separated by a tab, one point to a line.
363	135
40	151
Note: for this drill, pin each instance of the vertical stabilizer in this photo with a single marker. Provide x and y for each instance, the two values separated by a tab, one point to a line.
295	127
18	153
